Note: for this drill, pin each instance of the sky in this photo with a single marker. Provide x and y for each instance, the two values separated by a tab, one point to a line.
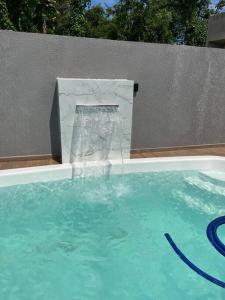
103	2
111	2
214	2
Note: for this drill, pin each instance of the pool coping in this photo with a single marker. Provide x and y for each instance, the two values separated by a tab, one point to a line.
141	165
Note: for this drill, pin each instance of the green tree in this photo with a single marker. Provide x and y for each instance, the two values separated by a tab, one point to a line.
77	17
196	32
21	14
158	23
32	15
161	21
129	19
99	24
5	22
190	21
95	20
62	22
71	17
45	16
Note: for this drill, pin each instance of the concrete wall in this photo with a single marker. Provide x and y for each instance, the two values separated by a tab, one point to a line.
181	97
216	31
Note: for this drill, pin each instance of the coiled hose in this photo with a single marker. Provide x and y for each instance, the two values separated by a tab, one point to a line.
215	241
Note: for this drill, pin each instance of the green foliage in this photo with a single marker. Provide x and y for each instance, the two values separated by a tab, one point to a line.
5	22
77	17
190	20
63	17
32	15
128	16
71	17
45	15
98	24
160	21
196	32
143	20
21	14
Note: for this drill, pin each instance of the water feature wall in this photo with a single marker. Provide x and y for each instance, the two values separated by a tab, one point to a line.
95	119
95	132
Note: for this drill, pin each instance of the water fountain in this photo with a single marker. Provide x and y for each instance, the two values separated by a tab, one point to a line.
95	120
94	131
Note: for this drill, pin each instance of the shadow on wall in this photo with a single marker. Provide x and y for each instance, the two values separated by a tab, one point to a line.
55	127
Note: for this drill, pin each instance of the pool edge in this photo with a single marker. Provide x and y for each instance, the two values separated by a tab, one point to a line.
141	165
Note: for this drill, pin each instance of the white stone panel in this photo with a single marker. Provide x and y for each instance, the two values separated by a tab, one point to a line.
92	92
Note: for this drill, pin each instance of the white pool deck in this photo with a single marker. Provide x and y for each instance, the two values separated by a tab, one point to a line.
213	166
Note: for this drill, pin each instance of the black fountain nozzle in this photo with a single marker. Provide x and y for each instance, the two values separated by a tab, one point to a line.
136	87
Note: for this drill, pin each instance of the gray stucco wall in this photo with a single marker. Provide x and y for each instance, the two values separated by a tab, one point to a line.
181	97
216	31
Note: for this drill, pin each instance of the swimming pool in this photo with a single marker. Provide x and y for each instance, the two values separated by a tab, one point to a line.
103	237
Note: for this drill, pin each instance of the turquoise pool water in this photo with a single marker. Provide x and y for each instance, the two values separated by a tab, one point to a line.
103	238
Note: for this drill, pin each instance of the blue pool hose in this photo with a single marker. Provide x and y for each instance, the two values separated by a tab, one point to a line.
212	234
216	242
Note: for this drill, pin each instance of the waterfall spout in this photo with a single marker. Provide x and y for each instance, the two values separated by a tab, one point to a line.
94	132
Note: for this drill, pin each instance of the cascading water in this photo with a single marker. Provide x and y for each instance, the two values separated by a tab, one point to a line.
96	135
